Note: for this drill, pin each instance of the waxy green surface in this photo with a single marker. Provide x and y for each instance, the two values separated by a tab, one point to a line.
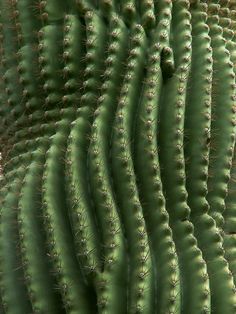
117	137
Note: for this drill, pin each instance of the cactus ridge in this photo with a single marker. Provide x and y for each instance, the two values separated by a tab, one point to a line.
223	128
139	267
78	140
228	238
117	123
64	259
229	226
172	110
36	264
100	173
206	231
80	213
148	176
12	281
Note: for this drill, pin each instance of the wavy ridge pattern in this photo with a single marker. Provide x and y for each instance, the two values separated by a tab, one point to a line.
117	133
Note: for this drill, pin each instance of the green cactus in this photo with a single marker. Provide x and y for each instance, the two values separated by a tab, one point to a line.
118	156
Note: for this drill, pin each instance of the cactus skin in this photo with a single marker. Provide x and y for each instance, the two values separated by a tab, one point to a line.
117	133
140	298
170	141
229	226
36	264
197	139
148	175
223	130
113	251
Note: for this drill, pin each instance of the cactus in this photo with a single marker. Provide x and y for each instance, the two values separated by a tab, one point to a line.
118	156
